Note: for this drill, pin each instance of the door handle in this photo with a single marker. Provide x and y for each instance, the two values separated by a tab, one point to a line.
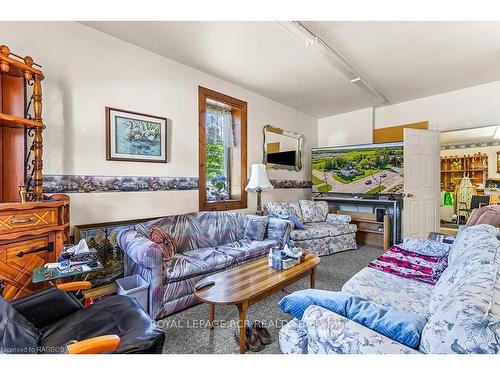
49	248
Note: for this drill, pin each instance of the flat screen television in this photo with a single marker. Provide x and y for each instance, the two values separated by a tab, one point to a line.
287	158
362	169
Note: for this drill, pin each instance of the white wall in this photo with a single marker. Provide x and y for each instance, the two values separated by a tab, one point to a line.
346	129
461	109
87	70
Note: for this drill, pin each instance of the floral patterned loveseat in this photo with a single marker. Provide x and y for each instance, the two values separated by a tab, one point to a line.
462	309
323	233
173	253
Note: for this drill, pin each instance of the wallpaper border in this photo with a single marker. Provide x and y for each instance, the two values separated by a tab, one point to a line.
101	184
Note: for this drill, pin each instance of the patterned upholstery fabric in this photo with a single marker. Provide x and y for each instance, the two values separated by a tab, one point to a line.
463	308
275	209
205	243
255	227
323	233
390	290
338	219
198	230
321	230
426	247
313	211
330	333
462	322
279	230
293	337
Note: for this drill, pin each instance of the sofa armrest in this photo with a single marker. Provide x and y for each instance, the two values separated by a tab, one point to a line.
279	229
330	333
140	249
338	219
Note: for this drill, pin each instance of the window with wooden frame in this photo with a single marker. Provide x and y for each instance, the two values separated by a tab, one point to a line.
222	129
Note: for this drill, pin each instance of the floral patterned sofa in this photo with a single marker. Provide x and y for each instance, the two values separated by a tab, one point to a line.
462	309
173	253
323	233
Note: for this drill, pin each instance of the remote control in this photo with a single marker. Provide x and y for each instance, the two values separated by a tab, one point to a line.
204	285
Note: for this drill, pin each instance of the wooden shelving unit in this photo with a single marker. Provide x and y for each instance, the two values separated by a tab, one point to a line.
21	126
454	168
34	232
370	231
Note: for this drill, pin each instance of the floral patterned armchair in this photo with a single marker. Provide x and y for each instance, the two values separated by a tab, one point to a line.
320	232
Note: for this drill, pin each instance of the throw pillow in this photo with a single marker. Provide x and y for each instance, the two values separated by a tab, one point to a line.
164	240
401	326
295	220
275	209
312	211
426	247
255	227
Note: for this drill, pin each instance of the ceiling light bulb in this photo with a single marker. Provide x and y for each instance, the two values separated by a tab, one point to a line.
355	80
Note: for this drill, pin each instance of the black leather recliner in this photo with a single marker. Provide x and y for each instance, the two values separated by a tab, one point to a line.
51	320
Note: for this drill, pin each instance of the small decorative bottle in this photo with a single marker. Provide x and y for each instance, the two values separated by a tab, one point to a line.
23	193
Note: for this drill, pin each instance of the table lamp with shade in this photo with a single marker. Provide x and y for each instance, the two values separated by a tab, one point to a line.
258	183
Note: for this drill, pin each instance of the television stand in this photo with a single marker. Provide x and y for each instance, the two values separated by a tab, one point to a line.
353	204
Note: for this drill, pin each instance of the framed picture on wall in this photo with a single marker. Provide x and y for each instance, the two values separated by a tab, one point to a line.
132	136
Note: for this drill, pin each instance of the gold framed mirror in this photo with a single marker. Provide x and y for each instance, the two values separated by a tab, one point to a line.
282	148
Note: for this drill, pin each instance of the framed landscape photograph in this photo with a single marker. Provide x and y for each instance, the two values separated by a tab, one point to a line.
132	136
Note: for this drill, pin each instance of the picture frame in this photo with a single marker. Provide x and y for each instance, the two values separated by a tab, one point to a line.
137	137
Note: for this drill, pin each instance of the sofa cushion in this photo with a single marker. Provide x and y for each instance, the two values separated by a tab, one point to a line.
390	290
426	247
478	243
297	224
245	250
462	322
278	230
321	230
473	249
313	211
276	209
196	262
198	230
255	227
402	326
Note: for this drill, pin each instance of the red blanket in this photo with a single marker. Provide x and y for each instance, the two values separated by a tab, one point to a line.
411	265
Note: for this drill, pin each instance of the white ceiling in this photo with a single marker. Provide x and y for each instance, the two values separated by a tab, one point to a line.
404	60
476	135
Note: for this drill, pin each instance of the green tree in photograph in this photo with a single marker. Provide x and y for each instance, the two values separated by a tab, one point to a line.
215	160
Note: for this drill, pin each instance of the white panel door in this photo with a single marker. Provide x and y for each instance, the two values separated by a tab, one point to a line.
422	182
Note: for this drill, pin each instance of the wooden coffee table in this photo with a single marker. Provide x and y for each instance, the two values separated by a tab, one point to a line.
250	283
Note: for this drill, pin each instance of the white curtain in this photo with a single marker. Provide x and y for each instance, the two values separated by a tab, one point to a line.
219	122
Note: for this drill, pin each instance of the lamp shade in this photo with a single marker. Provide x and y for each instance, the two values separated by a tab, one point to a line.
258	179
